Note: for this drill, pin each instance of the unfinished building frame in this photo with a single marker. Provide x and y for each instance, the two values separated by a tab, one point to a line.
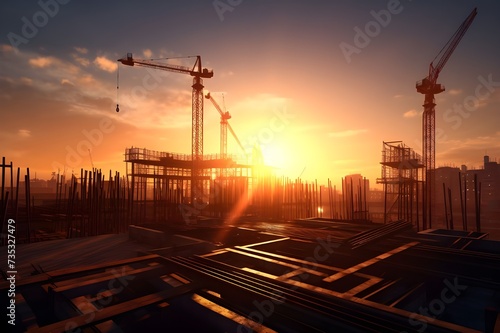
160	183
402	178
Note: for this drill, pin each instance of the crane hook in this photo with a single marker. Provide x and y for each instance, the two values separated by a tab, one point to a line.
117	89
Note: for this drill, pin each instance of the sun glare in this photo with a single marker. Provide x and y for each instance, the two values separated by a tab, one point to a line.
287	155
277	155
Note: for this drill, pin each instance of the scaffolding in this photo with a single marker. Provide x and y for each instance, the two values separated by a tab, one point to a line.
402	178
160	185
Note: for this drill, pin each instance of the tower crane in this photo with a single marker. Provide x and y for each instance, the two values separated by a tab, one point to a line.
224	126
429	87
198	73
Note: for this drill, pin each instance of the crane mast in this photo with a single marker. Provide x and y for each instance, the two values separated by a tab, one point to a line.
198	73
224	117
429	87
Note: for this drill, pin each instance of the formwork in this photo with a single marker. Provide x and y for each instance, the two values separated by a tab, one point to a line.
261	276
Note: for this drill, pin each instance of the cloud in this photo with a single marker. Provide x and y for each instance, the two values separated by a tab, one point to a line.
24	133
470	149
81	50
480	142
66	82
226	74
41	62
86	79
455	92
82	61
340	162
309	127
347	133
398	96
410	113
105	64
164	108
26	81
87	93
6	48
492	100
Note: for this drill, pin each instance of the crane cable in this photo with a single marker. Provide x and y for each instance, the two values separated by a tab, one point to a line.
224	103
168	58
441	52
117	88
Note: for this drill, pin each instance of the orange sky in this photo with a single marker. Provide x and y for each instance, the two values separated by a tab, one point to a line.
285	81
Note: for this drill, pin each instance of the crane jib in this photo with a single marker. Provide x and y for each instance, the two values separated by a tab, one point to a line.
202	73
198	72
448	49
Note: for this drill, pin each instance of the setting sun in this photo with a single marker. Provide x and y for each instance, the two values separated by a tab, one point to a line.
276	155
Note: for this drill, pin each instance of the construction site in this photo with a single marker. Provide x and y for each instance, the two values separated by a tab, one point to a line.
191	242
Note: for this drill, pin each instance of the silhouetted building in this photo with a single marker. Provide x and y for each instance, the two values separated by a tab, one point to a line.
468	192
375	203
490	180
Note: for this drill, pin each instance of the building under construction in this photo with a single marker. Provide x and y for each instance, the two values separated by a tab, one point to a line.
402	178
160	190
161	184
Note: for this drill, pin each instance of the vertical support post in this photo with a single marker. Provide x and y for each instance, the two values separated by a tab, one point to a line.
197	141
451	209
11	185
466	218
28	202
445	207
16	209
3	181
477	204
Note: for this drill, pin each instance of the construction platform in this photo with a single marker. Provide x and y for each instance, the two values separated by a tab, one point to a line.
312	275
